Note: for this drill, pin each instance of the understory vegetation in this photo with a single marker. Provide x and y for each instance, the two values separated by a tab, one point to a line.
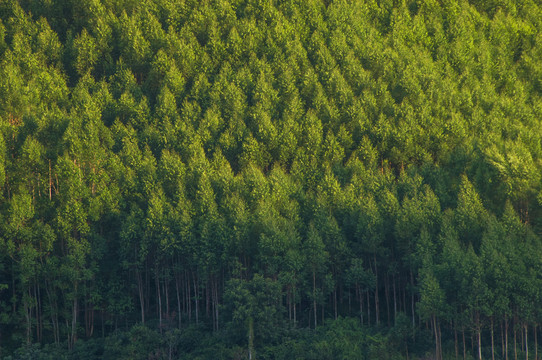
270	179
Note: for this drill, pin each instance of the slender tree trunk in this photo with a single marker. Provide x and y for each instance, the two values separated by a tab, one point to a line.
435	332
40	316
212	290
335	302
492	341
50	182
526	341
439	339
522	336
456	346
216	304
27	315
368	309
54	313
314	297
74	322
506	337
295	315
394	302
322	308
189	296
479	336
147	287
87	318
412	300
141	295
207	298
289	302
179	315
515	343
377	301
403	303
157	283
464	344
177	292
166	294
535	343
250	338
196	295
361	301
502	339
387	293
91	320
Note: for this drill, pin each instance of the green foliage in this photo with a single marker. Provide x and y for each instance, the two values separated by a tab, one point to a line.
291	179
253	302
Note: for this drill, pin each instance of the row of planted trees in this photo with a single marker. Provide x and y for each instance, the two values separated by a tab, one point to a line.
339	251
255	166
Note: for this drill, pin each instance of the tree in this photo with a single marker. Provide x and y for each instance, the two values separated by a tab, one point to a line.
253	306
316	257
432	304
470	215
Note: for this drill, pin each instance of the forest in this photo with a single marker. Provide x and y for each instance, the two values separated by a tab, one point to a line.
270	179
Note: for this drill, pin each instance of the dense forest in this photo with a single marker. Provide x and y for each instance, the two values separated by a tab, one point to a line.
270	179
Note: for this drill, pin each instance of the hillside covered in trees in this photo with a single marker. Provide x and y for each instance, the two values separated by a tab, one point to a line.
275	179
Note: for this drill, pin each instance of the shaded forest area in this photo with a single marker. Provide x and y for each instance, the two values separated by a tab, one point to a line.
310	179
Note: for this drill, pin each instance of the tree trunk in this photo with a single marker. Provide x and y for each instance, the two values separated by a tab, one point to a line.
535	344
314	297
368	309
322	307
479	336
54	313
361	301
412	300
437	351
295	314
464	344
92	312
196	299
39	329
506	337
216	304
387	293
189	296
250	338
492	341
515	346
289	302
157	282
377	301
26	307
502	340
435	326
141	296
456	342
522	336
178	300
73	338
335	301
394	302
147	287
526	341
166	294
207	297
439	340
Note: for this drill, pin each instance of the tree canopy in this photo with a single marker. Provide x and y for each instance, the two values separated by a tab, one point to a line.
268	179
